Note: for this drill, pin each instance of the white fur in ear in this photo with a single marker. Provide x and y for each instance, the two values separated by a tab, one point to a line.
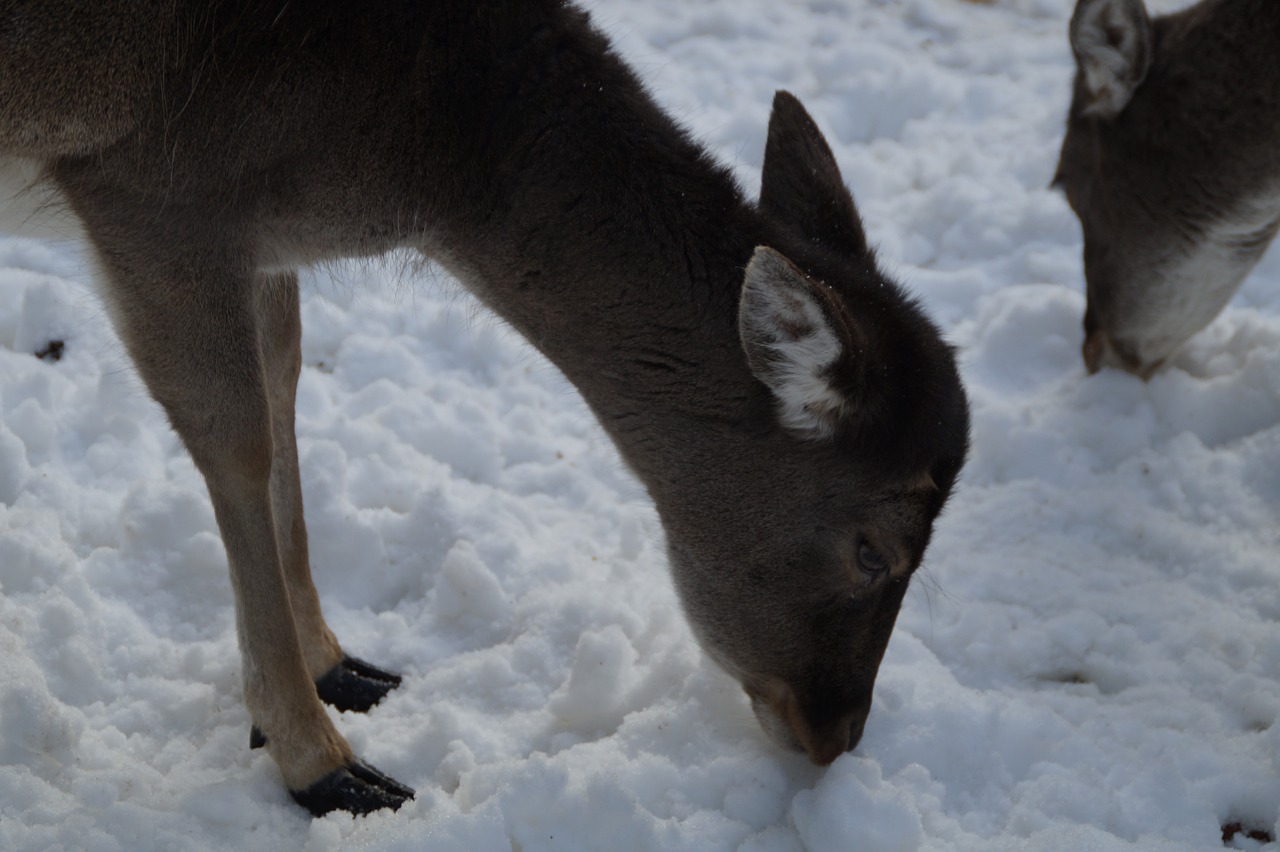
1112	44
791	344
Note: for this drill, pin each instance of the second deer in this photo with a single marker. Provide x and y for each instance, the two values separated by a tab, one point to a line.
1171	160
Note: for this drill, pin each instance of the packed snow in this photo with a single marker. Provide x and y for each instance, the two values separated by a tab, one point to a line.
1087	661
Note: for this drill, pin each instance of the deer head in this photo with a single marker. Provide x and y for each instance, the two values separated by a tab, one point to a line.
859	433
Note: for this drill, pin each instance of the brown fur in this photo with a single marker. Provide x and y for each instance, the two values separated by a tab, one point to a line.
209	148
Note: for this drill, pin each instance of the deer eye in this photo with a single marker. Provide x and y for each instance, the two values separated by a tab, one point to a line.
871	561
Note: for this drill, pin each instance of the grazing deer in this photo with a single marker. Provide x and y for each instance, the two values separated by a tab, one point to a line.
795	417
1172	162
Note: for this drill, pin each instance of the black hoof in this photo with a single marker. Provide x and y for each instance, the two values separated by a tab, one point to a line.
355	685
357	789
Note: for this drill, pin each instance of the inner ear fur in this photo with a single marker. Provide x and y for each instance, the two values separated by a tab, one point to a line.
799	342
800	183
1111	40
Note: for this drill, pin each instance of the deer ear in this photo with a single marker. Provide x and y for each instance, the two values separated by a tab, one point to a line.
801	185
1111	40
798	344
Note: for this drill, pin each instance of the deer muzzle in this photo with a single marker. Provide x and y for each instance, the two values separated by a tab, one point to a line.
821	734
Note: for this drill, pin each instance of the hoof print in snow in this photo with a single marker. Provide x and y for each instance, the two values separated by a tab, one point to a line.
1073	678
52	351
355	685
357	788
1234	829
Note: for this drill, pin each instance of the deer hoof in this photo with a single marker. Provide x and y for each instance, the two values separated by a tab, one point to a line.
355	685
357	788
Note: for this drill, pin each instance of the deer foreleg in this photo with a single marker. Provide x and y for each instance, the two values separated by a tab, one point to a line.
190	313
341	681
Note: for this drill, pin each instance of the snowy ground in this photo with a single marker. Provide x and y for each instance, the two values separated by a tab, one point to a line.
1089	660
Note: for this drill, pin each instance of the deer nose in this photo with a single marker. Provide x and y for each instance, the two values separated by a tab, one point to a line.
824	750
855	731
827	739
825	744
1100	350
1096	350
823	738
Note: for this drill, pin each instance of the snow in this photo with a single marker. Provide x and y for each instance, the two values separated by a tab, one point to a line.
1087	661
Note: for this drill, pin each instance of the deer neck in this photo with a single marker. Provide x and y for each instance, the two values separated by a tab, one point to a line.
1209	111
1215	68
585	218
627	277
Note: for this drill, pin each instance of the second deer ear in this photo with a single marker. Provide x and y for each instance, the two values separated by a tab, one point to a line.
801	185
1111	40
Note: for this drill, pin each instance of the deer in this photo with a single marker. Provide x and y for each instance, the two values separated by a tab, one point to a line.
795	417
1171	161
